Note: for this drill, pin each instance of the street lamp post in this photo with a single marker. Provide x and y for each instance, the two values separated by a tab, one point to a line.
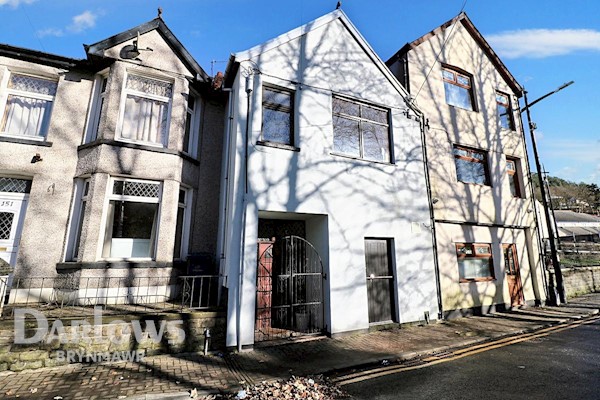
553	253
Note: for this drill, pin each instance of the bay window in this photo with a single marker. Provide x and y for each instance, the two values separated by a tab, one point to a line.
192	125
132	219
145	110
27	106
96	109
182	229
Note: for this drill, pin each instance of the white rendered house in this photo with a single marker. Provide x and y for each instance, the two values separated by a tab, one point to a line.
325	221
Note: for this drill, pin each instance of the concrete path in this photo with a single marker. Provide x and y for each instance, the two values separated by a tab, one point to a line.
171	376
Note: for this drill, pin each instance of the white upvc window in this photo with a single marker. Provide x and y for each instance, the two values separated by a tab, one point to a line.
132	217
182	229
26	104
145	110
192	125
82	187
97	106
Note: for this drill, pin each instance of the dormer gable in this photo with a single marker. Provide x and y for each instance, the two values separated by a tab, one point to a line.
143	43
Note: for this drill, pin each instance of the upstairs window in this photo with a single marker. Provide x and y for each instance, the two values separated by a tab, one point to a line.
361	130
513	176
505	116
192	125
278	116
475	262
471	165
27	106
100	84
146	110
459	89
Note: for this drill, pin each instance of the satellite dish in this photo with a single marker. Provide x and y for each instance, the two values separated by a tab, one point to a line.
132	51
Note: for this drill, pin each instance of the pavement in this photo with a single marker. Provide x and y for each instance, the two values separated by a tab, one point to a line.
173	376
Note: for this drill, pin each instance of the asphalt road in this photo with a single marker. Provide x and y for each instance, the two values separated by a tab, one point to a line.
562	365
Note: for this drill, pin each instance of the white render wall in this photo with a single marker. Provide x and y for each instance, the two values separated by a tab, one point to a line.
356	198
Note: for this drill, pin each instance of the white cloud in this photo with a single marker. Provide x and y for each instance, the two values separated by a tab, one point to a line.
579	151
15	3
83	21
50	32
79	23
540	43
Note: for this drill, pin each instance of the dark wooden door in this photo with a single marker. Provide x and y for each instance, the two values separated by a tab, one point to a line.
380	280
513	277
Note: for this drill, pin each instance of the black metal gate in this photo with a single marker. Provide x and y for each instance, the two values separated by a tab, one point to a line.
289	289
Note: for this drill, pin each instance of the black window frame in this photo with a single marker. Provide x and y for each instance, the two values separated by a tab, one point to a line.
280	108
361	119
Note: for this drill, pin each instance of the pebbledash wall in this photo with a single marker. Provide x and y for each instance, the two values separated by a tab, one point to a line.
73	164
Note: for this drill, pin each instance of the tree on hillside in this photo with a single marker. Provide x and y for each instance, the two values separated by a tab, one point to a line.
567	195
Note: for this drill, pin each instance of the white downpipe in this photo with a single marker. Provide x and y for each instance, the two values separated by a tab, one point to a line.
244	216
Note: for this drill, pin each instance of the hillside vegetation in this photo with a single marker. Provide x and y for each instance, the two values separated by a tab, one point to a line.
567	195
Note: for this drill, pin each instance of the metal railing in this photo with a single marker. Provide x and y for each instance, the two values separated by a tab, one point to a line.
70	295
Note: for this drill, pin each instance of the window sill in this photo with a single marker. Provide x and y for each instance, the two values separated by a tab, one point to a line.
131	145
462	108
477	280
277	145
361	159
112	264
476	184
23	140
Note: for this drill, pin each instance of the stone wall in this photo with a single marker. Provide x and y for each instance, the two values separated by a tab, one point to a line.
69	340
579	280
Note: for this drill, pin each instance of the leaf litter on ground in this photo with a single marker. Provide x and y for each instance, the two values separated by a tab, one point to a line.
309	388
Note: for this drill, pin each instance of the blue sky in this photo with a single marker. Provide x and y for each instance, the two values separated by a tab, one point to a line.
544	44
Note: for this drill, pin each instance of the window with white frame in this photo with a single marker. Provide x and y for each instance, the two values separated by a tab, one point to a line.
82	187
100	84
145	110
182	229
132	219
27	106
361	130
192	125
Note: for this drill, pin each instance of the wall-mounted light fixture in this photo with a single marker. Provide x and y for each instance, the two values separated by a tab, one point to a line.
36	158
